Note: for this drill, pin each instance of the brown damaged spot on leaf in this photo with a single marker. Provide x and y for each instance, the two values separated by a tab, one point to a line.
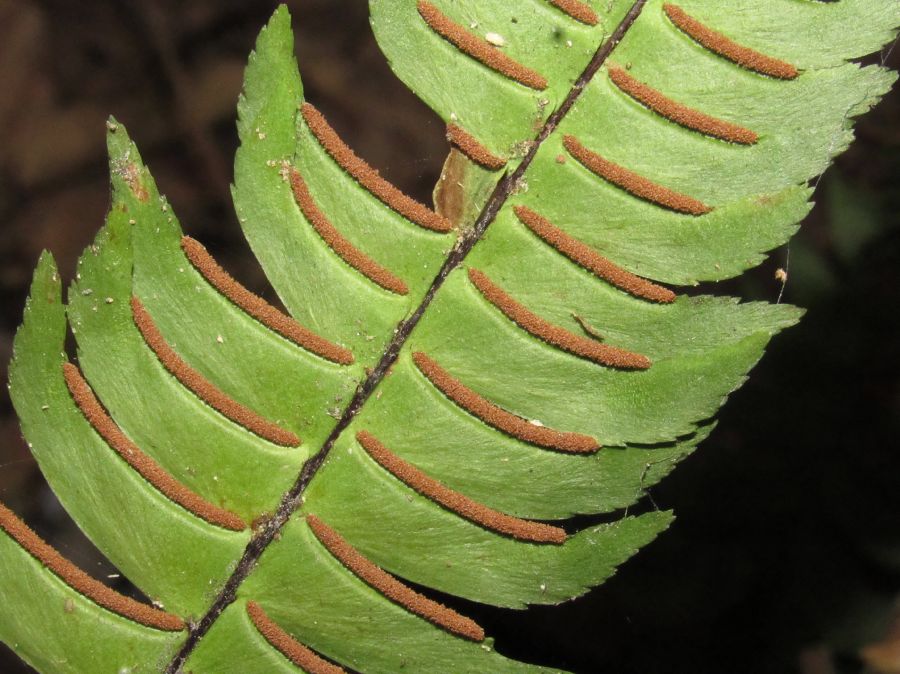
131	174
765	200
449	194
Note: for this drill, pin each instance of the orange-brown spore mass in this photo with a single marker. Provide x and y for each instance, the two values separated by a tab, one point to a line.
349	253
585	256
368	177
390	587
81	582
525	530
499	418
257	307
678	113
202	387
146	467
288	646
474	150
633	183
561	338
479	49
736	53
580	11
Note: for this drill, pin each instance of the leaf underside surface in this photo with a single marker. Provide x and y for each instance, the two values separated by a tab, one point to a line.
450	386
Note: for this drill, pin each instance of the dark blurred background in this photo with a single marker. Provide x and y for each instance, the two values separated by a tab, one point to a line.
786	553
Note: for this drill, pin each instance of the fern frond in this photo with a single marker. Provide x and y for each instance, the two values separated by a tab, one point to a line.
451	384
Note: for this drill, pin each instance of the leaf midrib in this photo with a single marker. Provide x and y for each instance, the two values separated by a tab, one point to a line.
267	532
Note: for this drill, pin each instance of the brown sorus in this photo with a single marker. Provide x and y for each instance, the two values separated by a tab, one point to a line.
678	113
340	245
202	387
81	582
525	530
479	49
723	46
257	307
284	643
151	471
633	183
499	418
580	11
368	177
582	254
546	331
469	146
392	588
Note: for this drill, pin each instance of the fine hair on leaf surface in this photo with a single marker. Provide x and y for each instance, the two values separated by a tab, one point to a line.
465	402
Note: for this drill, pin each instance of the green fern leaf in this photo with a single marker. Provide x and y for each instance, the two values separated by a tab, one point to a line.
451	385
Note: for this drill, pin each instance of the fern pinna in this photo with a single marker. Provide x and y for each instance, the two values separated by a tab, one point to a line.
451	385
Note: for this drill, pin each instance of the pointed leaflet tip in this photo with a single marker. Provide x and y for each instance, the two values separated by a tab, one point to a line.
281	16
126	168
277	28
118	142
271	79
45	286
44	295
46	268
